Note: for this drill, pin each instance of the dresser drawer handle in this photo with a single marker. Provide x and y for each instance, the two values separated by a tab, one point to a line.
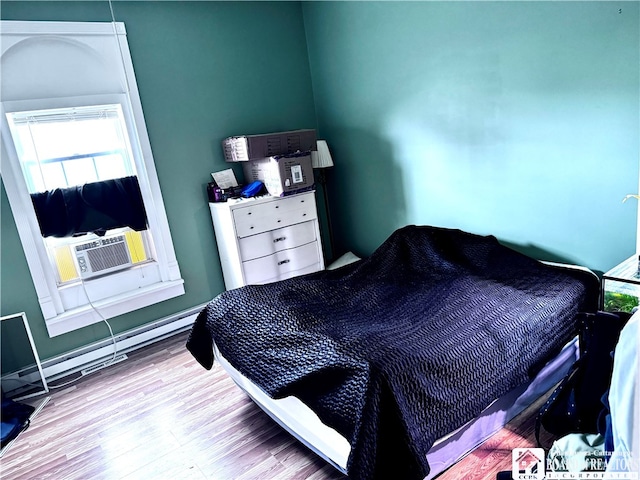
279	239
282	262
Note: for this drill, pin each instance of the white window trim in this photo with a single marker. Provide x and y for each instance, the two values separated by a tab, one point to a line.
59	320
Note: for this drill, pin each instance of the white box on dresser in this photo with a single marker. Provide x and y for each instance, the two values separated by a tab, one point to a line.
266	239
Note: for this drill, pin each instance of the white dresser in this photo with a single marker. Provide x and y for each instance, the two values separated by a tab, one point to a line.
265	239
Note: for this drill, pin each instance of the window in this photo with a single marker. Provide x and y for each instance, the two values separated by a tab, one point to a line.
81	126
68	147
71	146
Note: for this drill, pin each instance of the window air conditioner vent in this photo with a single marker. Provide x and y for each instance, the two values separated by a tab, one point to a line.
102	256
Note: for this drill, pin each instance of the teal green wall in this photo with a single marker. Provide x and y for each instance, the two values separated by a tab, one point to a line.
517	119
205	71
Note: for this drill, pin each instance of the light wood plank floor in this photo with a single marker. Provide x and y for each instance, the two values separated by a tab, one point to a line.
160	415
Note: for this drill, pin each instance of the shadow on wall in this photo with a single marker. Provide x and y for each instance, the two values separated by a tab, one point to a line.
366	191
210	261
539	253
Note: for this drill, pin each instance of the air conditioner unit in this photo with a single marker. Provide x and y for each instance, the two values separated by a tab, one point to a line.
101	256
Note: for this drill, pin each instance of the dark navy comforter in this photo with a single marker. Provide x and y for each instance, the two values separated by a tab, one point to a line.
403	347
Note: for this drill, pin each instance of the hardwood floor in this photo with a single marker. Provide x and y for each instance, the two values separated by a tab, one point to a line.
160	415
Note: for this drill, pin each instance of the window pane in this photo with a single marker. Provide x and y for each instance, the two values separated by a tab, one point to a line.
53	174
35	179
111	166
80	171
90	143
24	144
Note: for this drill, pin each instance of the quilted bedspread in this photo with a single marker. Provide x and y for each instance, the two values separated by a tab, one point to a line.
401	348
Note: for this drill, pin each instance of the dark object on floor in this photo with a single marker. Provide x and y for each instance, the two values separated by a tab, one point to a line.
506	475
575	405
15	419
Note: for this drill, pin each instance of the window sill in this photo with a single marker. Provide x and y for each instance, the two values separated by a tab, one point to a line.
113	306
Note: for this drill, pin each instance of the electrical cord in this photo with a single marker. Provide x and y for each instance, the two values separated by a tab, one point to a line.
113	339
107	363
95	309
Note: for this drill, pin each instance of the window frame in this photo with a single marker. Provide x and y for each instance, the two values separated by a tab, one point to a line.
66	308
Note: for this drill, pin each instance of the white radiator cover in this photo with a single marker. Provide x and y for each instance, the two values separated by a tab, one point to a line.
85	357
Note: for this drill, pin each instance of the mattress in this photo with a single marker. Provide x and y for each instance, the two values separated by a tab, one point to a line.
301	422
402	348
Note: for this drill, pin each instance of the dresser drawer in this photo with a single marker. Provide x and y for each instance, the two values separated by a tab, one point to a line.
262	217
267	243
283	264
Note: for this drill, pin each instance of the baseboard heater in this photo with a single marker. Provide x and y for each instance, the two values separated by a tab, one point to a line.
99	355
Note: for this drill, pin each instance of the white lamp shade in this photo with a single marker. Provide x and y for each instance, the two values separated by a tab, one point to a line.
322	157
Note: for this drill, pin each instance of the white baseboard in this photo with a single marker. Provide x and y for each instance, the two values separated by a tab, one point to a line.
86	357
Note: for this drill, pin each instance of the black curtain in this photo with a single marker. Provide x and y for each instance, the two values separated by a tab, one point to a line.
93	207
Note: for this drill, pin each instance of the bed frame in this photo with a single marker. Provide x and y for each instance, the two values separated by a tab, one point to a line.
301	422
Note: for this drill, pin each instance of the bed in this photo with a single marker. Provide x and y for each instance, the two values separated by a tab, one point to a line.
396	364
